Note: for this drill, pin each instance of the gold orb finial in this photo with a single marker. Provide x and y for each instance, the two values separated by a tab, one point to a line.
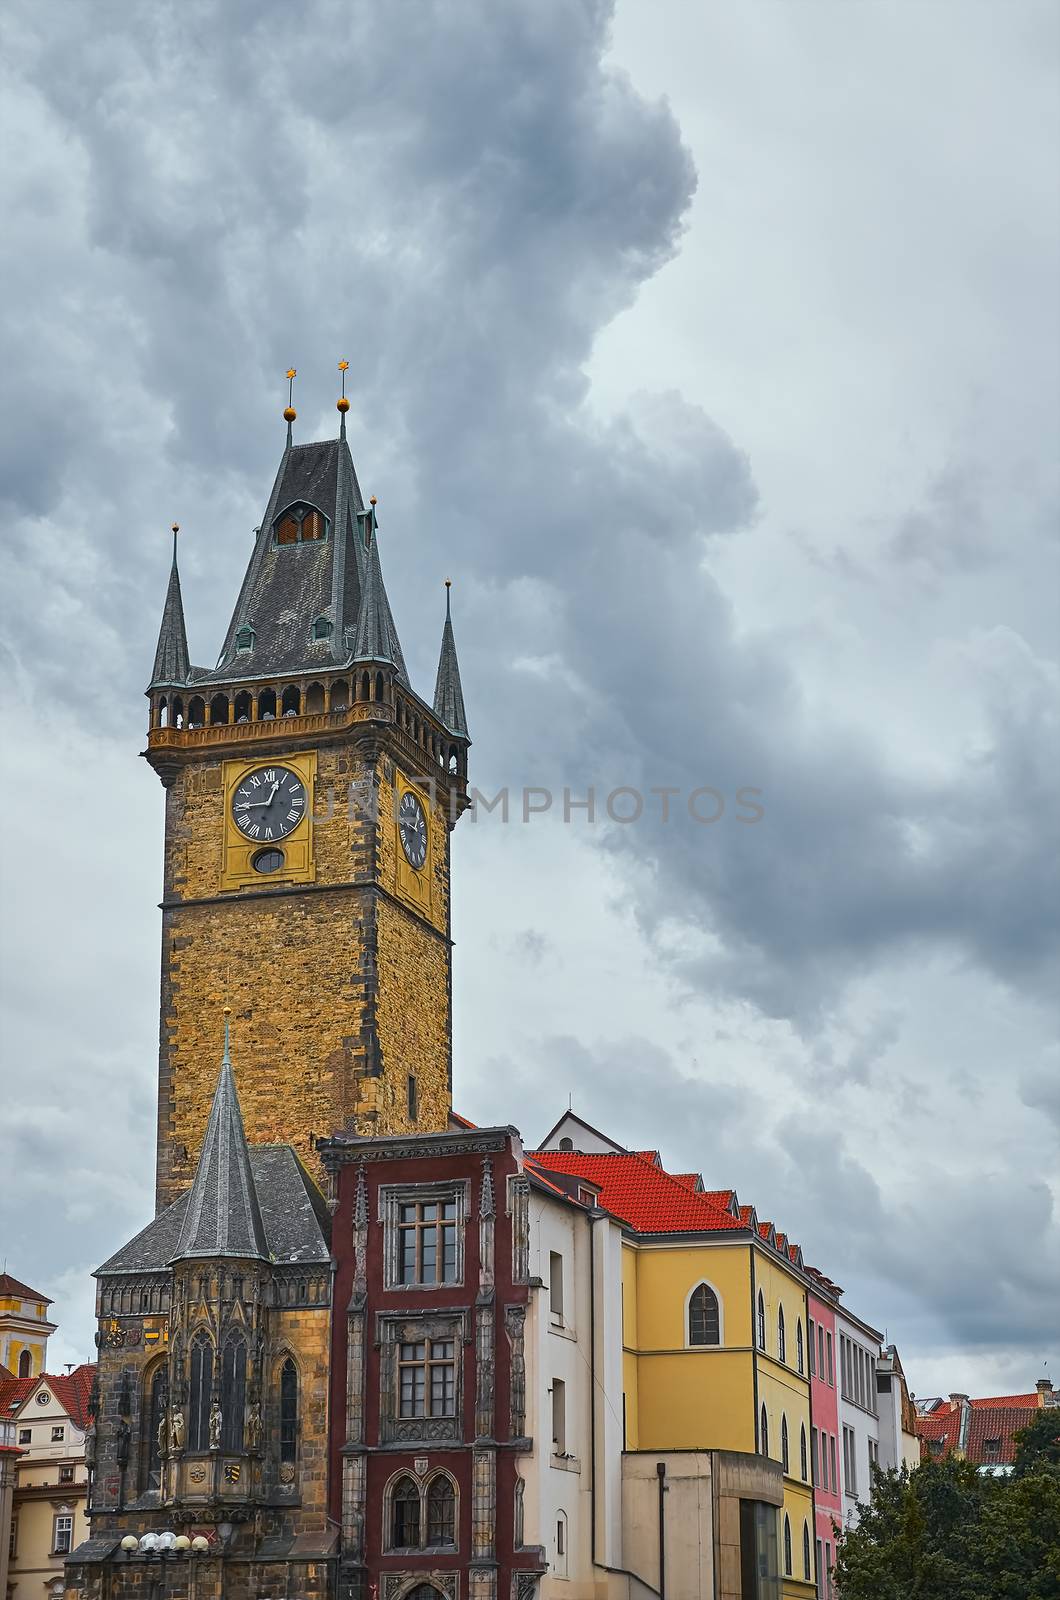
289	413
448	583
176	527
228	1011
372	501
342	404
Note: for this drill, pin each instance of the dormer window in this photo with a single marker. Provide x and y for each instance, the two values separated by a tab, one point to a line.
300	524
322	628
244	639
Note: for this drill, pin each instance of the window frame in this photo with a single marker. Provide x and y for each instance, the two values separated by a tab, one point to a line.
782	1337
393	1330
419	1492
288	1424
707	1344
67	1517
298	511
760	1321
392	1197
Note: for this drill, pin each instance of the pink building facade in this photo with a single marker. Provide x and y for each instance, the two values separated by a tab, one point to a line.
825	1437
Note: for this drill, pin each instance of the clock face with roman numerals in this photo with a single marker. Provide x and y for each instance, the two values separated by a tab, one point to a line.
412	826
269	803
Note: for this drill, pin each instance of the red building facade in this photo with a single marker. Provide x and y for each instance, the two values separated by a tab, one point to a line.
825	1436
428	1404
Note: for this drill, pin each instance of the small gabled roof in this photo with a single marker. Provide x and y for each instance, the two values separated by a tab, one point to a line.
71	1391
572	1119
12	1288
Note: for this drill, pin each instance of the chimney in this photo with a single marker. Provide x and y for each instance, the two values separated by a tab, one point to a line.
956	1400
1045	1392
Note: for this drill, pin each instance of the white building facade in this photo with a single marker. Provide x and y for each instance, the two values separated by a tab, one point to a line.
858	1350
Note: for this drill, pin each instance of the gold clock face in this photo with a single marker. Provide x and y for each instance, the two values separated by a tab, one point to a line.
268	804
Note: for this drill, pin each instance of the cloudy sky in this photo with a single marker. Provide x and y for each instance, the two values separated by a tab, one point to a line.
712	349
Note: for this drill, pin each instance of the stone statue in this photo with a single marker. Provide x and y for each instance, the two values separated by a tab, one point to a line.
176	1429
90	1445
121	1443
252	1427
163	1435
215	1425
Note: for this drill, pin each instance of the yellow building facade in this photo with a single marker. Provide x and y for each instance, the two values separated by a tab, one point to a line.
24	1328
738	1394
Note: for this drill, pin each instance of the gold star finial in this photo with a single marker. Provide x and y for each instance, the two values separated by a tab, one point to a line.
342	403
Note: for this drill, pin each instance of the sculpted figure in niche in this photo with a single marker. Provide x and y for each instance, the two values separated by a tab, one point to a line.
176	1429
215	1425
252	1426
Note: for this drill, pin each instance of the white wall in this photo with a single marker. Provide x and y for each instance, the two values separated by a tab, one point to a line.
863	1421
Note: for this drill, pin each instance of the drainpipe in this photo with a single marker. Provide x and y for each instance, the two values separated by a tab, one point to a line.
592	1392
660	1467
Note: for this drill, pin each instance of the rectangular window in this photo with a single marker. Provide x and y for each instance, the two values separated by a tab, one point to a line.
820	1568
62	1535
66	1474
413	1099
427	1241
874	1456
58	1435
559	1416
831	1376
25	1435
813	1335
427	1378
850	1461
814	1445
832	1453
555	1284
561	1535
820	1352
423	1232
828	1568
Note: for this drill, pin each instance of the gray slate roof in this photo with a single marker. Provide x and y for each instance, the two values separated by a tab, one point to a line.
293	1214
448	694
376	636
171	666
223	1217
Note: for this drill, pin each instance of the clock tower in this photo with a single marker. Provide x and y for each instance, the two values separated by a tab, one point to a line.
310	795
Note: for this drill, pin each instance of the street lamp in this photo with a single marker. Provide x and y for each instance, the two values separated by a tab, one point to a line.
161	1548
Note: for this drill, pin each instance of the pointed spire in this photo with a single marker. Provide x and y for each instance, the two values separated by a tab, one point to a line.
223	1218
371	642
172	664
448	694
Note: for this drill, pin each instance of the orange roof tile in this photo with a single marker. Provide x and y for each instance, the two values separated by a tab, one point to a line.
638	1190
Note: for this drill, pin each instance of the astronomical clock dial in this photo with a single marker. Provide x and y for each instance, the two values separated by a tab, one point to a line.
268	804
412	826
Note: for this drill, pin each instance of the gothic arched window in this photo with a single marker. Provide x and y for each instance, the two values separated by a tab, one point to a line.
405	1515
288	1411
787	1548
441	1511
800	1355
761	1321
201	1388
25	1364
233	1393
782	1338
704	1321
807	1564
763	1432
784	1442
803	1459
152	1412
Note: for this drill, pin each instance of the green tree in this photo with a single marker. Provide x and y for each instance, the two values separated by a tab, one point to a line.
945	1531
1038	1444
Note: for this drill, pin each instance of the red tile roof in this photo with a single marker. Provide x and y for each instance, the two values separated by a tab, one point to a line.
996	1425
1008	1400
71	1389
11	1286
638	1190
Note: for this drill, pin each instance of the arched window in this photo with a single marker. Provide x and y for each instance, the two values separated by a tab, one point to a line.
423	1591
196	711
800	1354
314	699
299	525
441	1511
267	705
201	1387
245	637
761	1321
25	1364
152	1414
288	1411
807	1564
405	1515
233	1393
784	1442
803	1459
242	707
560	1565
340	695
787	1547
292	701
763	1433
704	1321
218	710
782	1339
321	628
566	1144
